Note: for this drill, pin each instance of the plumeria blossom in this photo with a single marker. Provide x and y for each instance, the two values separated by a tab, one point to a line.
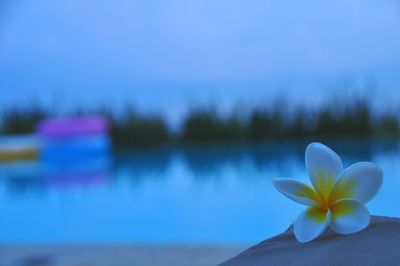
336	197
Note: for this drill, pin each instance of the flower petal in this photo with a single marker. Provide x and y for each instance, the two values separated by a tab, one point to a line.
324	167
311	223
361	182
349	216
296	191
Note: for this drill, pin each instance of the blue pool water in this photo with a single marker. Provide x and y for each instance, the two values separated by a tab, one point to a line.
191	195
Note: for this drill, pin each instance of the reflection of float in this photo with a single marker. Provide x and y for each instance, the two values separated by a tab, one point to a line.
75	179
20	169
18	148
75	171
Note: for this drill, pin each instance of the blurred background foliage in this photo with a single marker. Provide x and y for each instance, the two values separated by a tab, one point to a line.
338	119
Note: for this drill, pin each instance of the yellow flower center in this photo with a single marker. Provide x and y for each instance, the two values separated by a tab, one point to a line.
330	193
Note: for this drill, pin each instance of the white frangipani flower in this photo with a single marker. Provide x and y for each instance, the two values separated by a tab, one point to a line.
336	197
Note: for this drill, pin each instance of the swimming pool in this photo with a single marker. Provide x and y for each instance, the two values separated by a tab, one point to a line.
189	195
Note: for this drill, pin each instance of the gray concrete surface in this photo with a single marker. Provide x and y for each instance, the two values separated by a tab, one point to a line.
72	255
376	245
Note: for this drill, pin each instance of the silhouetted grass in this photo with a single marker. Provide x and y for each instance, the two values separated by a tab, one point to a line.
21	120
387	125
133	129
264	124
207	126
336	119
353	119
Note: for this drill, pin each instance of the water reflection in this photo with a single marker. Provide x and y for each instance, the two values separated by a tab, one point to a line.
203	161
143	161
209	194
28	176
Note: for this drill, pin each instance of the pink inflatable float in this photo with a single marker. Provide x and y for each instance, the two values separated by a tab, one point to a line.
67	127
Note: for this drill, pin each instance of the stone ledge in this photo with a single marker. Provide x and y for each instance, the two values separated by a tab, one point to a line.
376	245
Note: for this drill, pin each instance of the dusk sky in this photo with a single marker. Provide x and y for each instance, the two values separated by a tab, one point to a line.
171	54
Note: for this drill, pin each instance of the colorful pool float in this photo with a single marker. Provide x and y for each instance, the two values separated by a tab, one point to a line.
67	127
18	148
70	140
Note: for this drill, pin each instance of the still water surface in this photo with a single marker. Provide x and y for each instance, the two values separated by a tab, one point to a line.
192	195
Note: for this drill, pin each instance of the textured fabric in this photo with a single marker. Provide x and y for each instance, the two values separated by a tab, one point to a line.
379	244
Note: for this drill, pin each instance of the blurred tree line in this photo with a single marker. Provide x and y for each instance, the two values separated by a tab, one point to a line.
131	128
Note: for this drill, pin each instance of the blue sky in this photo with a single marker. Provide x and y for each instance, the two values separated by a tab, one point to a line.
166	55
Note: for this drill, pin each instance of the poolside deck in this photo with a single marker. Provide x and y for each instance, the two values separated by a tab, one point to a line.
84	255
